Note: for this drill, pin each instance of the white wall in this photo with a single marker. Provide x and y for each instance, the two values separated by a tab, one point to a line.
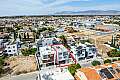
11	49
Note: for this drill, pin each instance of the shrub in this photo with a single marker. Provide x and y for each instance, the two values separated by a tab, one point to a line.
114	60
118	58
107	61
113	53
1	65
72	68
95	63
28	52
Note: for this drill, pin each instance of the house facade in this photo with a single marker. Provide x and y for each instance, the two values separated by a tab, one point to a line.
84	51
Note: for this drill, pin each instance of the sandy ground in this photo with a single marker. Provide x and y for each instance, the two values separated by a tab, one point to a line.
97	40
21	64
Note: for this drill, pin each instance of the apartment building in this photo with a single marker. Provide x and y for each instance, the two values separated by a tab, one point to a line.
101	72
1	43
26	34
84	51
53	55
47	55
1	46
47	41
3	35
62	54
116	40
11	50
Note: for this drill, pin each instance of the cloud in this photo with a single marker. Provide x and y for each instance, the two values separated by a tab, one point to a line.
58	2
36	7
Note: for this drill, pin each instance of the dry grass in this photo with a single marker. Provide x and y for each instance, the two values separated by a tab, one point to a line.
22	64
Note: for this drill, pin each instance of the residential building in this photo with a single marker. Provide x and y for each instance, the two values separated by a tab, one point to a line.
2	46
84	51
3	35
47	55
116	40
55	74
53	55
11	50
1	43
62	54
101	72
26	34
47	41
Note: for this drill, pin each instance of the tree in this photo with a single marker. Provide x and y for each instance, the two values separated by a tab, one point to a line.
27	52
114	60
28	35
114	53
95	63
72	68
15	34
24	36
1	65
107	61
20	37
64	41
63	38
50	28
34	34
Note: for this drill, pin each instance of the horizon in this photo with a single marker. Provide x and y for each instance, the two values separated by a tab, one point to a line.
50	7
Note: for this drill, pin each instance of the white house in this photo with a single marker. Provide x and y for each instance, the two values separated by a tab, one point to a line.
11	49
47	55
52	55
1	43
47	41
84	51
55	74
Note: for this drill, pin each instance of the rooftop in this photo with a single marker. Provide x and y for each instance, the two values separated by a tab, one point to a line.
106	72
56	74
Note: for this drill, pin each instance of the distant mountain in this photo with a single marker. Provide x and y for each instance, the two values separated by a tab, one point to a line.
89	12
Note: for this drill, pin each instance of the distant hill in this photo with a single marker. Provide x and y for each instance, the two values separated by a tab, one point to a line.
89	12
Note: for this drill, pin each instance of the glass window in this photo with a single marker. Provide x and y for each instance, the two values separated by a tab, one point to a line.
45	56
9	51
60	53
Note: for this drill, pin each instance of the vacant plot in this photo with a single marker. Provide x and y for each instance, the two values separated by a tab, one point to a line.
21	64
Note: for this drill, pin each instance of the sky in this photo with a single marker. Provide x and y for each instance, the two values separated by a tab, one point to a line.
47	7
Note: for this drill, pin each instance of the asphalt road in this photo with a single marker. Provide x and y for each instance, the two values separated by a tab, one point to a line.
28	76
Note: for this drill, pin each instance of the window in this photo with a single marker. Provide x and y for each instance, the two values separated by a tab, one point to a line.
45	56
90	53
60	57
14	50
5	51
82	54
13	46
9	51
8	47
60	53
65	53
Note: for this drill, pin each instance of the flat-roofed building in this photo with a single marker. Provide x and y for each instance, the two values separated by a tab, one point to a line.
48	41
101	72
84	51
11	50
55	74
53	55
